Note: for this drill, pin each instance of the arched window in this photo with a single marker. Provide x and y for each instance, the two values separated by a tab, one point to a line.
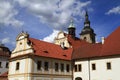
78	78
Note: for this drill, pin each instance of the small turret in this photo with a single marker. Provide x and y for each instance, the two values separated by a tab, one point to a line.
71	29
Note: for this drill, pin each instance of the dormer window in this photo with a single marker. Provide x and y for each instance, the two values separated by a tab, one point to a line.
45	51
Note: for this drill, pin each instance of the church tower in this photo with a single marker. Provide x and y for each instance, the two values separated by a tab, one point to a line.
87	32
71	29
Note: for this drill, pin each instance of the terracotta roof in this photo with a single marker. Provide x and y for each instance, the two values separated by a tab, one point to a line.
87	51
112	43
110	47
76	42
50	50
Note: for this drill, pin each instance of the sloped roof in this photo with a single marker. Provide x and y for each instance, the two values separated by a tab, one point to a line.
50	50
76	42
87	51
110	47
112	43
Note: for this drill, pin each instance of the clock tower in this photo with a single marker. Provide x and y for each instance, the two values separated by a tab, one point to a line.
87	32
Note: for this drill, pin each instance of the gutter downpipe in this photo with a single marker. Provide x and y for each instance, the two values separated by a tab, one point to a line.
89	68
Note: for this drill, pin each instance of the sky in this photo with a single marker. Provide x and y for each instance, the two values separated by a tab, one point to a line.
43	19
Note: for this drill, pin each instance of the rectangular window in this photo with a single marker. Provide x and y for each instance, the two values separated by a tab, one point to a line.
46	64
7	65
93	66
17	65
56	66
62	67
80	67
39	65
108	65
68	68
75	68
0	64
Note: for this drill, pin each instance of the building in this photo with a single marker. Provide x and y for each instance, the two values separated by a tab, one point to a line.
4	56
68	58
33	59
98	61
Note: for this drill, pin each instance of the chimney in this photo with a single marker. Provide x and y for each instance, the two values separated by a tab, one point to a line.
103	40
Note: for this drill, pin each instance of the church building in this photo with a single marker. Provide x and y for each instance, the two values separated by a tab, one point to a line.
68	58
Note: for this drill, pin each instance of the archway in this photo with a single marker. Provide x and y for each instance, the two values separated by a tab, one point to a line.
78	78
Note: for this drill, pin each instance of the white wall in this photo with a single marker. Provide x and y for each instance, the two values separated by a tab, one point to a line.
101	72
3	61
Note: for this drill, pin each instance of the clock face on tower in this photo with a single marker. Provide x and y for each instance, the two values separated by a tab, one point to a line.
86	24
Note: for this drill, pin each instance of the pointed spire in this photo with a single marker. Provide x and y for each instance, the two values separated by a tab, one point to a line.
71	24
87	22
86	16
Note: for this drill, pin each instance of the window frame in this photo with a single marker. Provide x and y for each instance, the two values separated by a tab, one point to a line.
46	66
17	65
39	65
93	66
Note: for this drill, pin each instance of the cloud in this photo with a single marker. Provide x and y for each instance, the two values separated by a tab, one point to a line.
54	13
115	10
8	13
5	40
51	37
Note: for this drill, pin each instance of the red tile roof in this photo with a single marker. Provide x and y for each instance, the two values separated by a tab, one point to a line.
76	42
112	43
109	48
87	51
50	50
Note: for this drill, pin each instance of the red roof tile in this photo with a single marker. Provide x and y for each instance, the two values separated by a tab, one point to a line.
50	50
76	42
87	51
112	43
109	48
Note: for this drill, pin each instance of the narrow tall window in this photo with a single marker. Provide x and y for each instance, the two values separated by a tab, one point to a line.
17	65
56	66
80	67
93	66
0	64
39	65
75	68
108	65
68	68
46	64
7	65
62	67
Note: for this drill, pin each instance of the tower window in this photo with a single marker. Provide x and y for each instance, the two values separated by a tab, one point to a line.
93	66
17	65
108	65
39	65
